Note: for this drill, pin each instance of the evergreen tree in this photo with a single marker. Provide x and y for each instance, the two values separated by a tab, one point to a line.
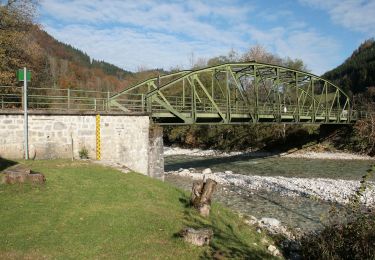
357	73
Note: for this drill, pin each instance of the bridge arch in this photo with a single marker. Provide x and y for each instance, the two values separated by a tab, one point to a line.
237	93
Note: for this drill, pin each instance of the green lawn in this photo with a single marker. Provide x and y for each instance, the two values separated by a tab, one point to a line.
86	211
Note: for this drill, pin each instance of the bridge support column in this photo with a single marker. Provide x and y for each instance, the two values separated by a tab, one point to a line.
155	153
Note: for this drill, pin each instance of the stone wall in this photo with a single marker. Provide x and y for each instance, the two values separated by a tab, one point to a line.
124	138
156	157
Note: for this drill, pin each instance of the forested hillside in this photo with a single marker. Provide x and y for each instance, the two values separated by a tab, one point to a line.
53	63
72	68
357	73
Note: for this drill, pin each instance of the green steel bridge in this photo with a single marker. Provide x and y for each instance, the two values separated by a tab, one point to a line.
233	93
238	93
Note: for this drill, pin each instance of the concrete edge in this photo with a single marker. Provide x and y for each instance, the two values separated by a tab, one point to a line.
67	113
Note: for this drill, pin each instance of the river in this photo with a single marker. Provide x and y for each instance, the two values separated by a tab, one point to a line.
296	212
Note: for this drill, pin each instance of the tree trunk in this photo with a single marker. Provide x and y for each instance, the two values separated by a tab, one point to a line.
201	196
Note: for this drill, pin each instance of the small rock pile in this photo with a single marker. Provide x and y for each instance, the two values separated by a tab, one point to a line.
289	244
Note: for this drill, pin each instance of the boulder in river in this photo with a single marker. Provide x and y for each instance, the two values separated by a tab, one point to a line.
185	172
207	171
272	222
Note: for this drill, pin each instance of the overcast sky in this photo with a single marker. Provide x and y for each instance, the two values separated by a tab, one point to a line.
164	34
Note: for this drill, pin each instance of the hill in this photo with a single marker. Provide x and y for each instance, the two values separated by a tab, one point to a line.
68	67
54	64
357	73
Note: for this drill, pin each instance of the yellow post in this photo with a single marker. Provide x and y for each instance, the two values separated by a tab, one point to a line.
97	137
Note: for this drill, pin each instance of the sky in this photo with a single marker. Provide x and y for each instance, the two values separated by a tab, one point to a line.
135	34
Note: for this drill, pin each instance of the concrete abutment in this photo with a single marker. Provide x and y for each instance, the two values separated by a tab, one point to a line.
127	139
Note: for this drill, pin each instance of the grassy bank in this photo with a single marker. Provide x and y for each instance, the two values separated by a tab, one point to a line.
89	211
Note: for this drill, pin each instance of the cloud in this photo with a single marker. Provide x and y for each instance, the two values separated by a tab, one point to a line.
130	49
356	15
319	52
155	34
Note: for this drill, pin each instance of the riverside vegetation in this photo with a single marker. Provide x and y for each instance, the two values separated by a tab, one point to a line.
351	238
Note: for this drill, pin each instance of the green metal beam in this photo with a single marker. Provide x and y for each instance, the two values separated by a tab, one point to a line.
209	97
264	103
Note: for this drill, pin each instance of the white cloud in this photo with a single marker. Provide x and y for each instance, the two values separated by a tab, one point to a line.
319	52
130	34
356	15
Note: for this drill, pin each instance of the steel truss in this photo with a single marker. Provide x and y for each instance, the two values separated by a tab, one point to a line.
237	93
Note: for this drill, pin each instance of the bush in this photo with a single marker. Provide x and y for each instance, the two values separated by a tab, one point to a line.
83	153
354	240
351	238
240	137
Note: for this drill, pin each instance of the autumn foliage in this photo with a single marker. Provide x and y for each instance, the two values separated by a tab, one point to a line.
54	64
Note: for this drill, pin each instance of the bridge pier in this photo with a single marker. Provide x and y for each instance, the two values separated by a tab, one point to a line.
155	153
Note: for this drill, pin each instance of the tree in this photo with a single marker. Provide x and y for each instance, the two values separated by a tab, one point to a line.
17	47
258	53
357	73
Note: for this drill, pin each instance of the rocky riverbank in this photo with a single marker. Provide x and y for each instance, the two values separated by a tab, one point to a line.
171	151
337	191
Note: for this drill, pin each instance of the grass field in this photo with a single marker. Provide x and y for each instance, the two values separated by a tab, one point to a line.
87	211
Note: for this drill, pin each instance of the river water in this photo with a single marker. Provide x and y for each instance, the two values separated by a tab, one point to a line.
303	213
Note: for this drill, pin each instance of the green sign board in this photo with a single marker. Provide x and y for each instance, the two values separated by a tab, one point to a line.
20	75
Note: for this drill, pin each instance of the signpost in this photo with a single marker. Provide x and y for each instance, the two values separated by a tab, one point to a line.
25	76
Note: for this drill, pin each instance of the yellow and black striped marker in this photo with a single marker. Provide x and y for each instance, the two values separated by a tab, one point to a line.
97	137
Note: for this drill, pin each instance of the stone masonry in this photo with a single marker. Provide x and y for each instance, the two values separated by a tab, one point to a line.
124	138
155	155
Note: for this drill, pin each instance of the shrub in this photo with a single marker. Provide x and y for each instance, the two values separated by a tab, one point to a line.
351	238
83	153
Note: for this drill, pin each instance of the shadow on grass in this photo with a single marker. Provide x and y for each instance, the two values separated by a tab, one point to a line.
4	163
185	202
228	242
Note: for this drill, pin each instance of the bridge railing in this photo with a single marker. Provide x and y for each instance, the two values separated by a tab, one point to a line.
88	100
11	97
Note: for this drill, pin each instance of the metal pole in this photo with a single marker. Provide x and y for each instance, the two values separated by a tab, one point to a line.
108	106
326	100
193	100
313	101
68	98
256	95
143	102
228	95
25	118
183	93
297	97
